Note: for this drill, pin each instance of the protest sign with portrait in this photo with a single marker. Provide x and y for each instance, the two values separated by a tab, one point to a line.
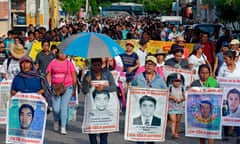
231	100
203	113
187	74
101	111
5	87
146	114
26	119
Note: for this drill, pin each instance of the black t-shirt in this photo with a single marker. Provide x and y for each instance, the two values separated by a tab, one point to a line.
3	56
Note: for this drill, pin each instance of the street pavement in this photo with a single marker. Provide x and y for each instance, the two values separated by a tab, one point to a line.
75	135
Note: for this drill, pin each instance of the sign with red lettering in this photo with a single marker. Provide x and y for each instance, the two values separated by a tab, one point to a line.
5	87
231	100
26	119
146	114
204	113
101	111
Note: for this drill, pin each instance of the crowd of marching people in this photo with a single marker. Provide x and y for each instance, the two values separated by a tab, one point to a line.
211	57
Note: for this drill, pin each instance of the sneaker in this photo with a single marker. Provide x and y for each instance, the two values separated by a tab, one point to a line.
63	131
56	126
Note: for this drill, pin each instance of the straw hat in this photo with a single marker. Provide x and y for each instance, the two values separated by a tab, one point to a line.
160	52
234	42
17	51
152	59
180	38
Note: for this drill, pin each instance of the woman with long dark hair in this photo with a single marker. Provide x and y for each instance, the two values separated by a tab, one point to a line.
205	80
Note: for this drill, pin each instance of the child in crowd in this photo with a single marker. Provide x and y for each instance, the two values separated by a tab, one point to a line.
176	105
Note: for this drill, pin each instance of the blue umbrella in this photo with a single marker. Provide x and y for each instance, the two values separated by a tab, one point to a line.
90	45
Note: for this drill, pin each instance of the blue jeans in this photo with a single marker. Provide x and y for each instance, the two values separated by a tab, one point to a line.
60	106
103	138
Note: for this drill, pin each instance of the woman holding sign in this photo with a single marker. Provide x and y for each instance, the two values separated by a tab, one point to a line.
27	80
230	69
97	73
149	79
205	80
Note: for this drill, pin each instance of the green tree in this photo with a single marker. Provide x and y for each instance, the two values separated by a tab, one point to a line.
158	6
72	7
152	6
228	10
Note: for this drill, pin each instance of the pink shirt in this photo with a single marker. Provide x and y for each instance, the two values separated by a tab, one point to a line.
59	69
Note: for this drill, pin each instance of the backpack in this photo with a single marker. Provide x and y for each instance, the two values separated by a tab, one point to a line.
170	89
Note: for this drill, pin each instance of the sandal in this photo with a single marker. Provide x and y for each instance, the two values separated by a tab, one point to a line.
176	136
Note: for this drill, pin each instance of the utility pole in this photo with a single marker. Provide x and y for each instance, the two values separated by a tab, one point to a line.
177	8
87	8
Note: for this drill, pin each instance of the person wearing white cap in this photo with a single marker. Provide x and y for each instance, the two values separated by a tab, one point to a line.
235	44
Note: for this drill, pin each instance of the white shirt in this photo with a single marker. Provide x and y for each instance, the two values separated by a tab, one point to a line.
141	56
196	62
172	36
12	70
224	71
160	65
118	61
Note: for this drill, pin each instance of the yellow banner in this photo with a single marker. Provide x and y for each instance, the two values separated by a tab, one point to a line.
37	47
153	45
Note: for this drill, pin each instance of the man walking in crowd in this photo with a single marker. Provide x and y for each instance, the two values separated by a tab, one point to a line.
141	52
8	41
209	48
44	57
130	61
11	65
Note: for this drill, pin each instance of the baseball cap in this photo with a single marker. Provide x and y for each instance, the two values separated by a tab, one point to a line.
152	59
26	58
197	46
177	77
129	42
224	43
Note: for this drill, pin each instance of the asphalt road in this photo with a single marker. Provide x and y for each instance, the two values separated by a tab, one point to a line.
75	136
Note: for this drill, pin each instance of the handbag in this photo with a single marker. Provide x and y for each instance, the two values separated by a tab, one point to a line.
60	89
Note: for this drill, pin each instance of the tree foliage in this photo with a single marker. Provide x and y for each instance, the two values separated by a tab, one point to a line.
151	6
72	7
228	10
